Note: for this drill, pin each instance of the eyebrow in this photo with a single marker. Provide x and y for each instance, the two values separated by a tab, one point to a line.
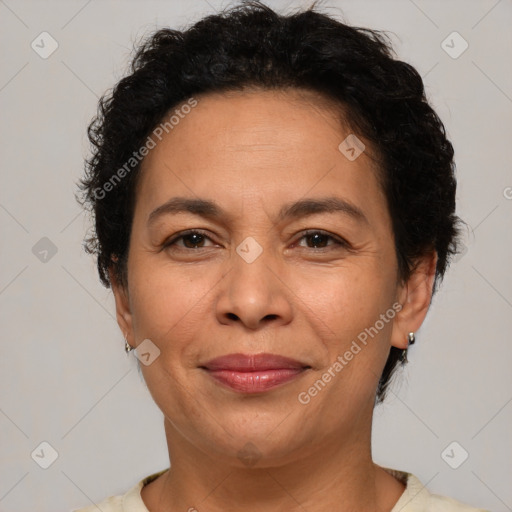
302	208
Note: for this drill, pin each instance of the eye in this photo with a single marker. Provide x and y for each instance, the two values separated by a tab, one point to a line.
192	239
196	239
320	239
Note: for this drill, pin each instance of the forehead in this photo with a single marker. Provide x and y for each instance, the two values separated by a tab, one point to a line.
259	119
278	145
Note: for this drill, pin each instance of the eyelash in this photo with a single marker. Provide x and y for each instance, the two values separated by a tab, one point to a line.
338	241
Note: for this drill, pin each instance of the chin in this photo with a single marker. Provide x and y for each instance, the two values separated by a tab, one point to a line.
258	444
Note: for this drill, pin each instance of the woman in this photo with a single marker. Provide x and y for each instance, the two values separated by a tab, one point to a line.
274	204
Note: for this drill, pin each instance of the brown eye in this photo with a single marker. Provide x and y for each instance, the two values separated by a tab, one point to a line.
321	239
190	240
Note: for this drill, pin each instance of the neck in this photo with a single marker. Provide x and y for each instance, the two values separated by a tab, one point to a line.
337	474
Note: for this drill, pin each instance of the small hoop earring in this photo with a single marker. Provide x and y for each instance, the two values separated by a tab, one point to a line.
411	338
127	347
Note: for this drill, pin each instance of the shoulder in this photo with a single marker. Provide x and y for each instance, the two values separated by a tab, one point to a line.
131	501
445	504
417	498
112	504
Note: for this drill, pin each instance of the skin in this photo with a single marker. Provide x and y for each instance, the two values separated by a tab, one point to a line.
252	152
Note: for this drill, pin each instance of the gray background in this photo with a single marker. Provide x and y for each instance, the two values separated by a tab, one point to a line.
64	376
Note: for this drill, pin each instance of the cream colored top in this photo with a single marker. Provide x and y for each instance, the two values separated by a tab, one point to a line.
415	498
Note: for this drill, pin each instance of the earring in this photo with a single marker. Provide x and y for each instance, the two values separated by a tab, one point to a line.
411	339
127	347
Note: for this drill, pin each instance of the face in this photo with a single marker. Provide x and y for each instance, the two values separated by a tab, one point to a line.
292	256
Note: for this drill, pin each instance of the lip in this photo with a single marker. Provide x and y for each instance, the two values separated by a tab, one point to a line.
254	373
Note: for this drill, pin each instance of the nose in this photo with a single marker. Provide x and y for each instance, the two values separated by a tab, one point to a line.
254	295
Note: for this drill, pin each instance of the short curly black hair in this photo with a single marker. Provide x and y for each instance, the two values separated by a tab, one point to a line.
251	46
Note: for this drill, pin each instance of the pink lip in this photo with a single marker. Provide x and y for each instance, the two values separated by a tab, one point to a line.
254	373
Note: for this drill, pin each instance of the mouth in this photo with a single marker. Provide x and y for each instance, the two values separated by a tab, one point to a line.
254	373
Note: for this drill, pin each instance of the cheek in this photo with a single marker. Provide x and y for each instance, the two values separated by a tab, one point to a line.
166	298
345	300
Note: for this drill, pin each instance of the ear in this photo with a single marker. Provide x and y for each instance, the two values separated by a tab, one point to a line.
123	310
414	296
